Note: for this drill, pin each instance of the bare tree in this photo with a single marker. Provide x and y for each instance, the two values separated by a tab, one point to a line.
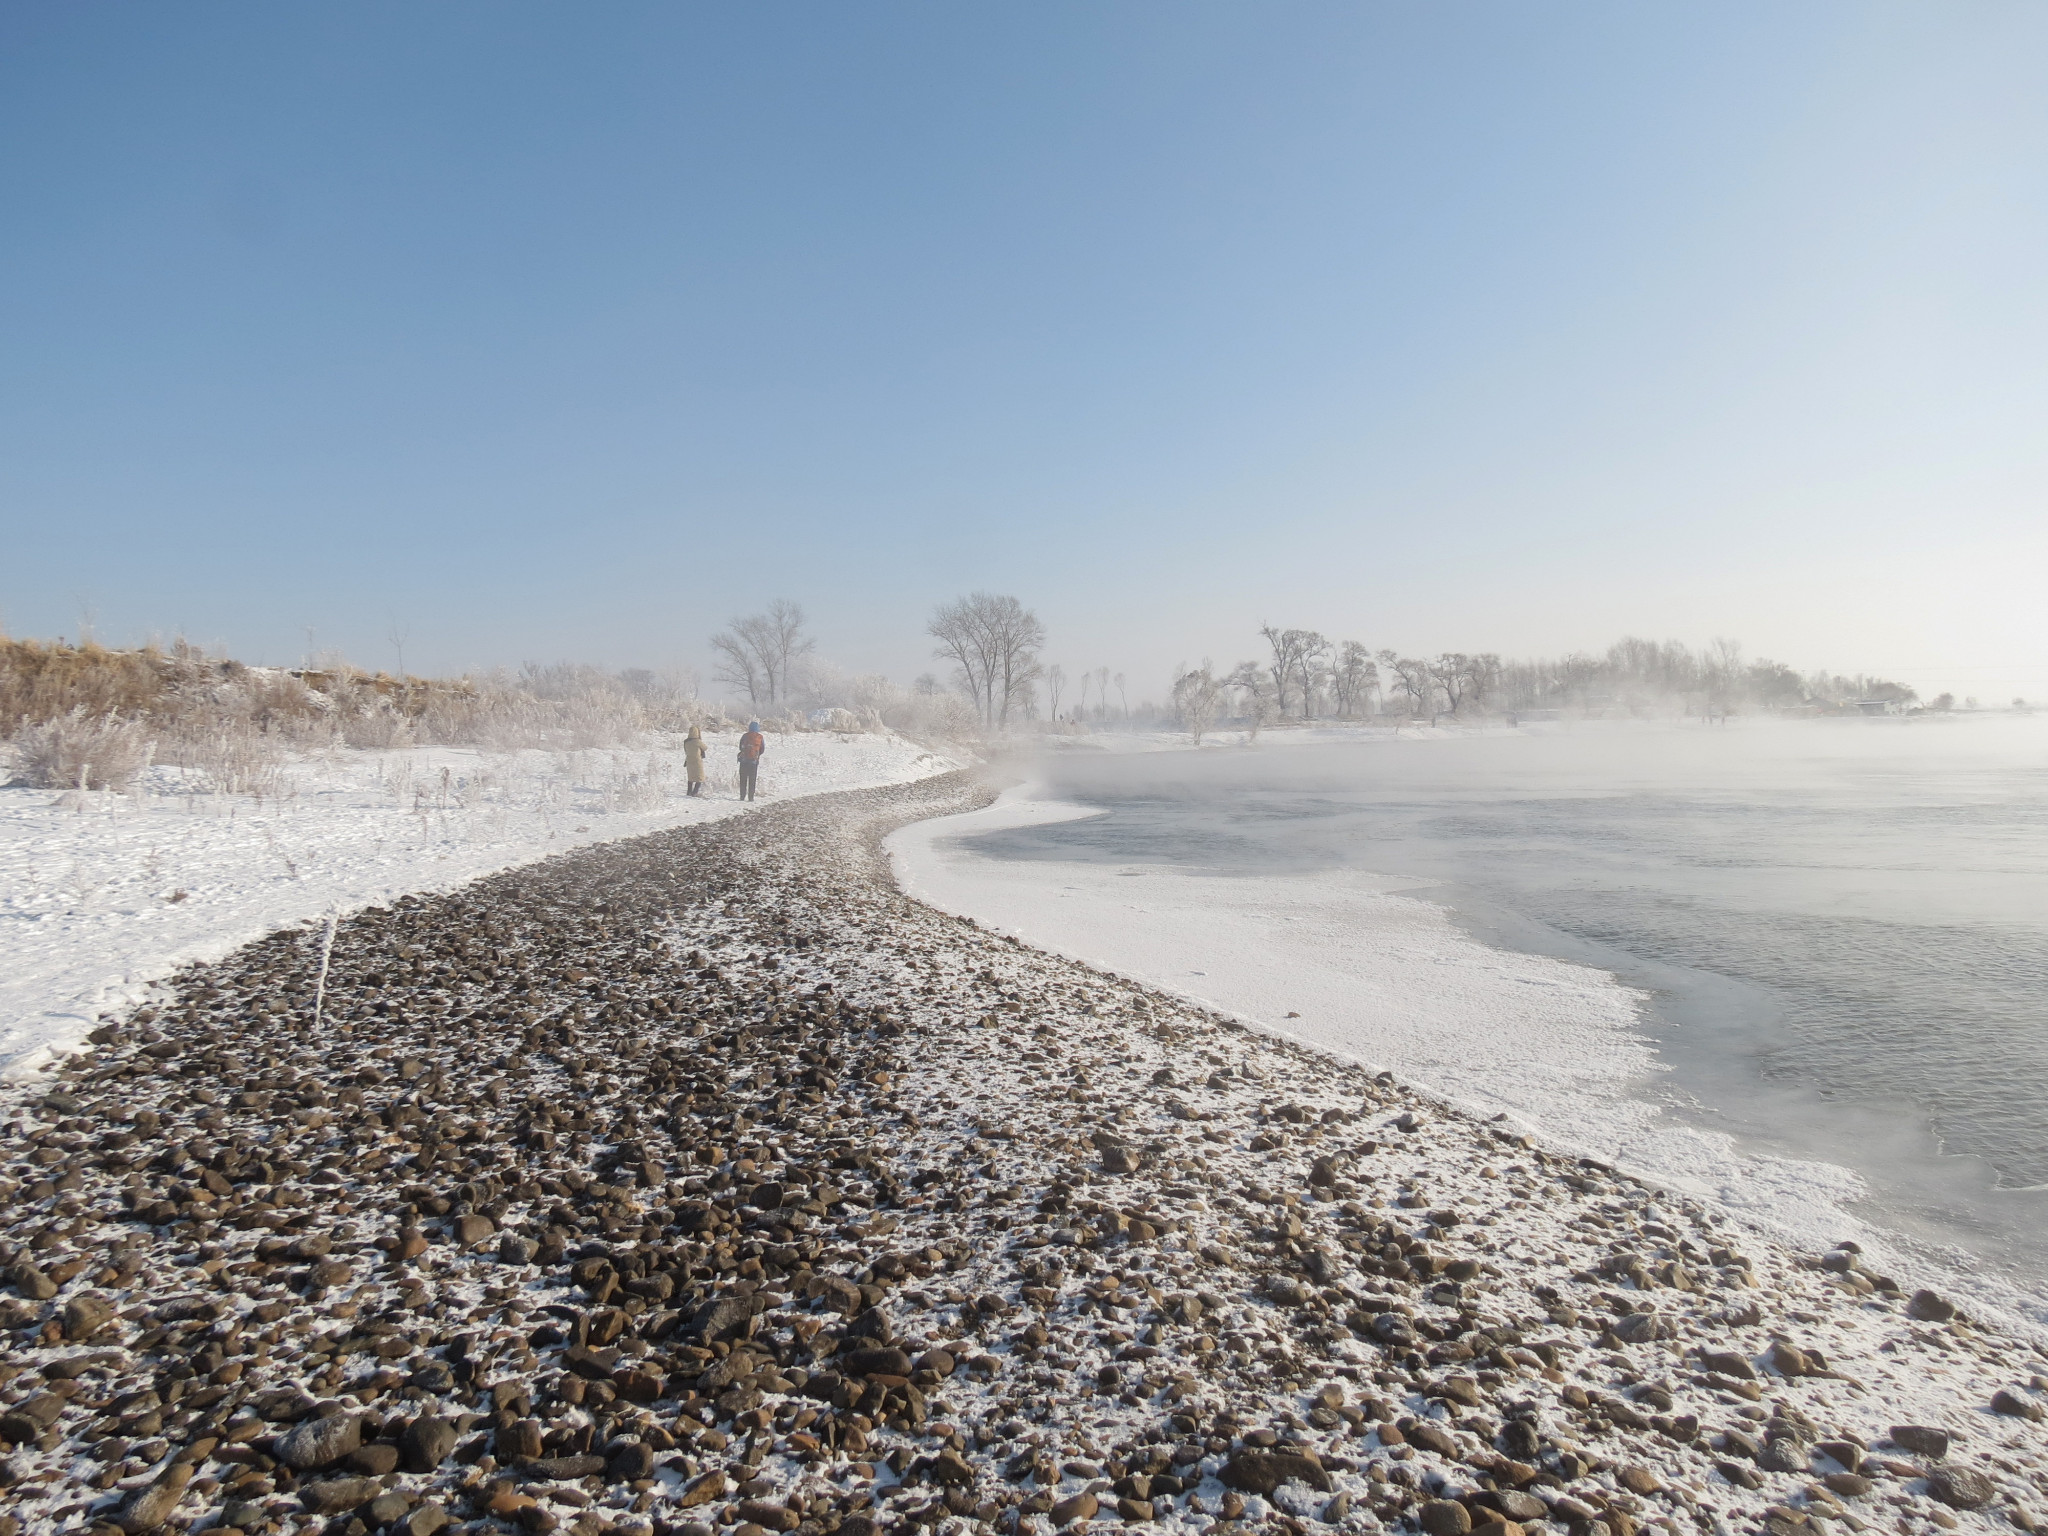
760	652
1257	702
737	664
1286	648
1311	666
1055	680
1353	678
1102	692
1413	679
993	641
1196	696
1123	698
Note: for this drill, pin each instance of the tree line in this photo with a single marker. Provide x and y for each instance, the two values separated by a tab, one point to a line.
993	646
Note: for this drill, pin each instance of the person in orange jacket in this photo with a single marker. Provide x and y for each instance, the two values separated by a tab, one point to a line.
752	745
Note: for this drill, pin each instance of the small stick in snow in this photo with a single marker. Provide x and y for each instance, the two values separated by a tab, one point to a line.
326	954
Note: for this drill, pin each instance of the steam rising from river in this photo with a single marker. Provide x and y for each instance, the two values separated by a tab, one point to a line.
1827	941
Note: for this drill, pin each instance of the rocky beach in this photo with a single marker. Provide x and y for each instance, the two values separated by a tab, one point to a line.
704	1182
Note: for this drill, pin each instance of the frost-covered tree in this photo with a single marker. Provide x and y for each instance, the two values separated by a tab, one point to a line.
1197	695
761	652
993	643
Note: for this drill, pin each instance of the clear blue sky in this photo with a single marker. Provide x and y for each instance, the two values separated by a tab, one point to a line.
552	331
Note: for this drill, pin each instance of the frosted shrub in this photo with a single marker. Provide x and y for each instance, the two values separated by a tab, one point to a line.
77	750
234	757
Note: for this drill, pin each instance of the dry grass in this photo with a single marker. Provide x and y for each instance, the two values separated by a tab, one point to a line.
78	750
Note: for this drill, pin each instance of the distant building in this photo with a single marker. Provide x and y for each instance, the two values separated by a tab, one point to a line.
1878	706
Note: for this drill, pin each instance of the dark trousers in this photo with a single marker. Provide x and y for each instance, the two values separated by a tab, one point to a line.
749	771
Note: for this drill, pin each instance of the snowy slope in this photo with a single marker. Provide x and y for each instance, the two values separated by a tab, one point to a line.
101	894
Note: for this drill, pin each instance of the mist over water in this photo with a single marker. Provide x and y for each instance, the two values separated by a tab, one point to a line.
1843	924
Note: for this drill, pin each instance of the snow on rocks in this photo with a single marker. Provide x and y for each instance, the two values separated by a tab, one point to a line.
101	894
705	1180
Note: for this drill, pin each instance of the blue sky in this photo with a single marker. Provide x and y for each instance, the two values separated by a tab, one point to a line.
567	332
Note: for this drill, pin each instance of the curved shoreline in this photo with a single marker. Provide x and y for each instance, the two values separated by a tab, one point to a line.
1581	1049
707	1178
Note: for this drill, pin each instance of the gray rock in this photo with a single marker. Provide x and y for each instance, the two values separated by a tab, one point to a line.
1961	1487
318	1443
560	1469
2014	1406
722	1320
1927	1307
1921	1439
1642	1328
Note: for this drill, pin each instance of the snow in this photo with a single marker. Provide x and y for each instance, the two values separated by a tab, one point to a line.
102	894
1361	967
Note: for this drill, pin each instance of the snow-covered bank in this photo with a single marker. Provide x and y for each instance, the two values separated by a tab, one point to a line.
1347	962
101	894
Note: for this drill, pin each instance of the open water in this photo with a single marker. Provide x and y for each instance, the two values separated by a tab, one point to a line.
1842	926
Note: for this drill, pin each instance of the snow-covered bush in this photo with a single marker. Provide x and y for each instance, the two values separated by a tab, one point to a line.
78	750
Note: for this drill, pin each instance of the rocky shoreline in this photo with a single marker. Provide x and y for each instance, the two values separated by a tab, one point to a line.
705	1182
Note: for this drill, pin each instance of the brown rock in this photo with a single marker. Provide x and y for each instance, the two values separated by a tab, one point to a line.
85	1316
1445	1517
1847	1453
1788	1359
427	1442
770	1517
33	1283
561	1469
333	1495
331	1272
1639	1479
1258	1471
519	1441
1463	1390
379	1460
150	1507
473	1229
630	1461
425	1520
1849	1485
1432	1437
1137	1511
1082	1506
712	1485
1727	1363
875	1362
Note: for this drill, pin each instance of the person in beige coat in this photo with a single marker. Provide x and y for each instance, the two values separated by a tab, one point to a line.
693	759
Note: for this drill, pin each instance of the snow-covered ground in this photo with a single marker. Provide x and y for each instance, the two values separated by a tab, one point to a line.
1364	967
100	894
